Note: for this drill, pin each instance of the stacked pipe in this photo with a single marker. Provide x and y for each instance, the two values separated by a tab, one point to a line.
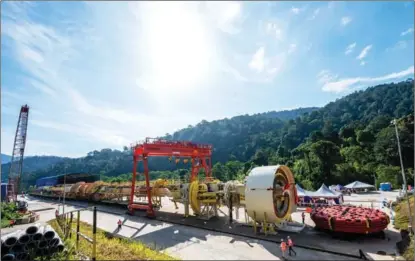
35	241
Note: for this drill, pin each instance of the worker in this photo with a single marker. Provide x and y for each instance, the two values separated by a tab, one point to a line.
290	246
57	213
303	217
283	248
12	221
119	224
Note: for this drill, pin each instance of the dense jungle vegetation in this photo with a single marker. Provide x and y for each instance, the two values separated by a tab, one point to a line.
349	139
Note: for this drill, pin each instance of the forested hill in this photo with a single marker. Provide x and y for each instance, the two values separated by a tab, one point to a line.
99	161
32	163
347	139
5	158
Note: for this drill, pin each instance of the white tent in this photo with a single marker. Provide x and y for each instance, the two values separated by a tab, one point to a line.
325	192
302	192
358	185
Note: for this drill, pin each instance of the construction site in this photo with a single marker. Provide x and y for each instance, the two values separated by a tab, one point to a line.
264	207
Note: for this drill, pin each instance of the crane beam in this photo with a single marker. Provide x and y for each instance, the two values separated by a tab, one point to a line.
200	155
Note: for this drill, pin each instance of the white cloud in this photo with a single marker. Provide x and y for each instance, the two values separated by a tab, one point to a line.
345	20
325	76
257	62
225	14
295	10
350	48
292	48
362	63
334	85
274	29
409	31
76	95
398	46
364	52
315	14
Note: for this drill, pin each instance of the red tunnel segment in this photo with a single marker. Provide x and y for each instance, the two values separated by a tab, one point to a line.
350	219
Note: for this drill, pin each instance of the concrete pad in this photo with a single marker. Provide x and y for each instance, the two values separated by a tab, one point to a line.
185	242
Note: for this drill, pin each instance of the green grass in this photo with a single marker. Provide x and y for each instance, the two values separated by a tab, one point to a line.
8	212
409	253
4	223
110	248
402	214
402	222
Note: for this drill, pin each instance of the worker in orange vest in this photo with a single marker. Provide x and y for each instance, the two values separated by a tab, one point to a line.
290	246
119	224
283	248
303	217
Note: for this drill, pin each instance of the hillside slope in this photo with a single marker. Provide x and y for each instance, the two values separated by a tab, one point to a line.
319	144
32	164
5	158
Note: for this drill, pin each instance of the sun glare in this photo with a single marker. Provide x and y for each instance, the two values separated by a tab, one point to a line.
177	46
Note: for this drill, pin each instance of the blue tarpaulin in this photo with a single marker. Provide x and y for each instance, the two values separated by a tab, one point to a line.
3	191
70	178
48	181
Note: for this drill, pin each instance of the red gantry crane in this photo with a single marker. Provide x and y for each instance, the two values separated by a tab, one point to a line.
200	155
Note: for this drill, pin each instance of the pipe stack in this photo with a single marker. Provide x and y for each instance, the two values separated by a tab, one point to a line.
35	241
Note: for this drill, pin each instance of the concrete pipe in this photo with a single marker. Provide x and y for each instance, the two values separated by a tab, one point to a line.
33	229
5	249
48	232
42	244
54	242
8	257
52	250
31	245
40	252
10	239
23	256
23	238
17	248
39	234
270	194
60	247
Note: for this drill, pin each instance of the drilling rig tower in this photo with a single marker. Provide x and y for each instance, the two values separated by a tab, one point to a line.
16	164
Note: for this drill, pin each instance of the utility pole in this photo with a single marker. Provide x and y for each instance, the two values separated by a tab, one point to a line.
403	176
64	188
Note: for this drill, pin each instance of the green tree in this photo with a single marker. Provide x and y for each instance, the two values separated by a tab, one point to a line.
329	155
390	174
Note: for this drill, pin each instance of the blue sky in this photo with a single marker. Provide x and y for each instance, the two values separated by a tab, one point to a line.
106	74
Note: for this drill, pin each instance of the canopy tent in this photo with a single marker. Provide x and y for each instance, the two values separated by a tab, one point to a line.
358	185
325	192
302	192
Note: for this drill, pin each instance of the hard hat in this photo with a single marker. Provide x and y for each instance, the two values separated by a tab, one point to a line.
288	237
282	240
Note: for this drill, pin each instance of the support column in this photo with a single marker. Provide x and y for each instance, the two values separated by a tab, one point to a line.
150	210
130	208
195	169
207	168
